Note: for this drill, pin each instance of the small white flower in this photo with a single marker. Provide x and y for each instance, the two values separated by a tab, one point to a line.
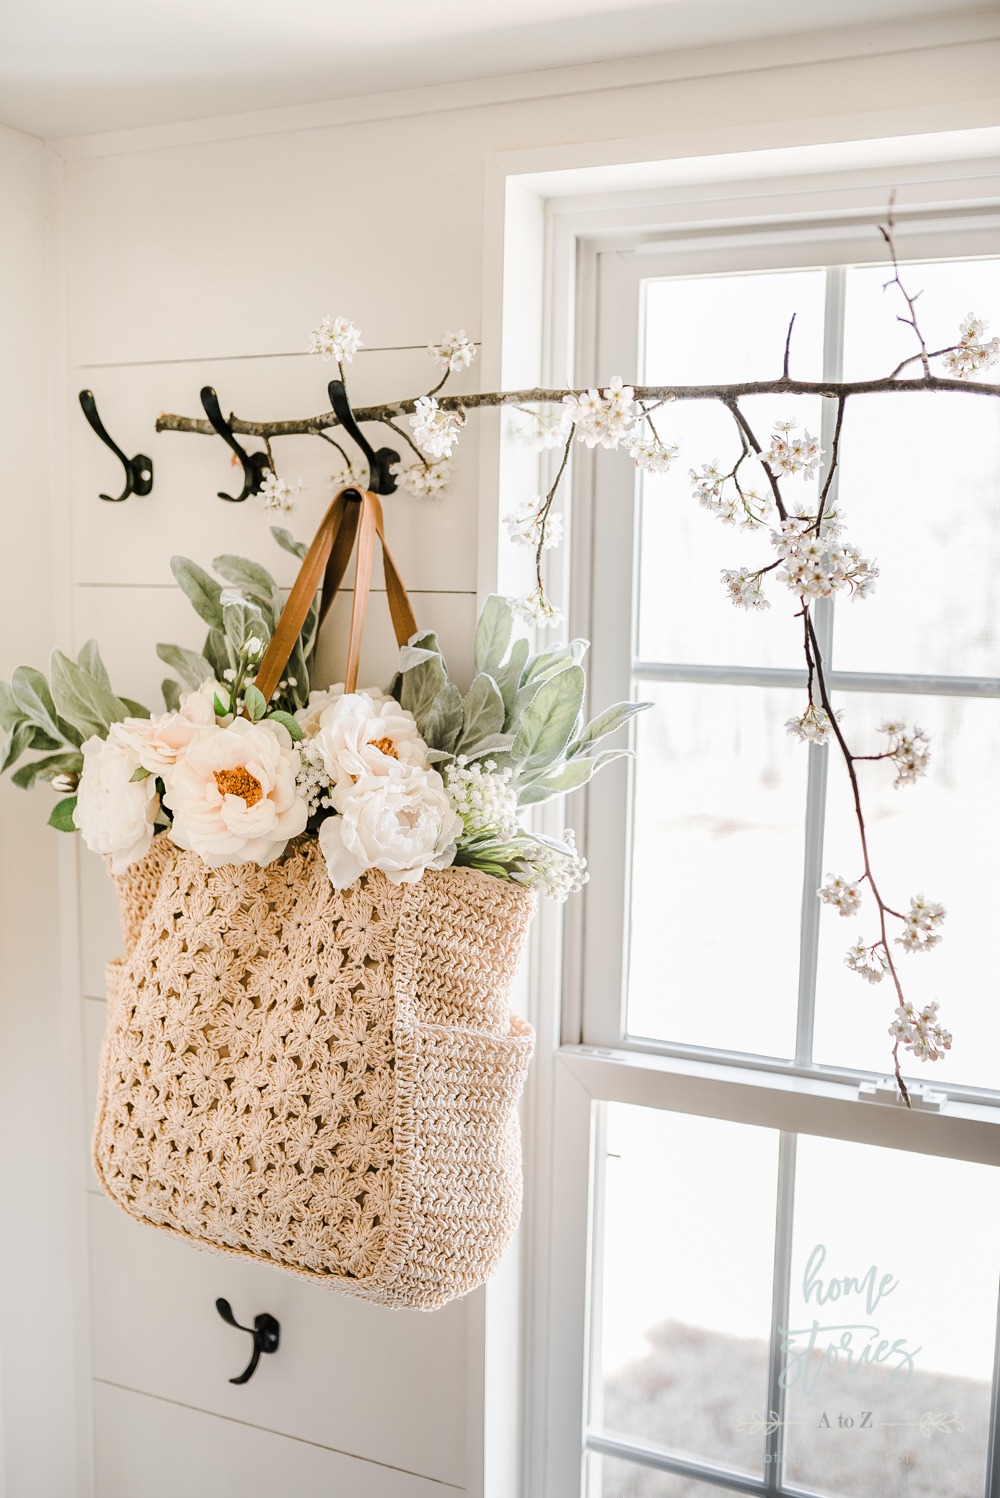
868	962
789	454
843	894
427	480
114	813
454	352
233	795
277	494
436	431
814	726
909	752
557	870
400	822
483	797
921	1033
743	587
920	933
649	454
335	338
254	648
526	526
816	562
545	427
973	353
537	610
350	476
357	737
604	419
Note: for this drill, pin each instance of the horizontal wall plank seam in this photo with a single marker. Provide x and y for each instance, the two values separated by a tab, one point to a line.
197	1409
980	25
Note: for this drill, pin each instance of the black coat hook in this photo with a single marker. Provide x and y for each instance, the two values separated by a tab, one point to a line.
138	470
255	465
265	1332
380	480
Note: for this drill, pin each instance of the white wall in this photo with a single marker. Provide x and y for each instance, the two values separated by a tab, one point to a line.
202	254
36	1216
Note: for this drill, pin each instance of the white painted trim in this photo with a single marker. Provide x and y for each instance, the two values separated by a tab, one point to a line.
832	45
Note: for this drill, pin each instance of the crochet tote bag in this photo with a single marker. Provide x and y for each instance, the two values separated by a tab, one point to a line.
324	1080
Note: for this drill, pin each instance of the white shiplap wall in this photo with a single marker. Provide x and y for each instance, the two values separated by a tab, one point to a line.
202	254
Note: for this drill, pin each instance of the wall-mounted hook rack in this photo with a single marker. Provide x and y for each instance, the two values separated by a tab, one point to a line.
138	470
255	465
266	1333
380	479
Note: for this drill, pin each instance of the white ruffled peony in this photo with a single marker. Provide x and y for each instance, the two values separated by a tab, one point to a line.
159	742
114	813
233	794
400	822
308	717
358	736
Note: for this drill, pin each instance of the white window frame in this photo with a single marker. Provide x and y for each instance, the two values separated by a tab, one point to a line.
597	249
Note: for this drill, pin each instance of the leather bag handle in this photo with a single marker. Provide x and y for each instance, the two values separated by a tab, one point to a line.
353	513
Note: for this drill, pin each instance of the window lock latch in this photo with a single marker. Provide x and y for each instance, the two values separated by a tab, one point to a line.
886	1092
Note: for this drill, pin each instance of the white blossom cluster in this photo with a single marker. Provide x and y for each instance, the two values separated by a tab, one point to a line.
733	506
649	454
453	352
816	562
531	526
537	610
483	797
868	962
744	588
350	476
426	480
604	419
277	494
814	726
973	353
843	894
921	1033
910	752
545	427
791	454
920	923
335	338
435	430
313	779
557	871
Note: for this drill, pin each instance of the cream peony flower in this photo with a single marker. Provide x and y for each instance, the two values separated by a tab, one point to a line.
233	794
400	822
160	741
358	737
114	813
308	717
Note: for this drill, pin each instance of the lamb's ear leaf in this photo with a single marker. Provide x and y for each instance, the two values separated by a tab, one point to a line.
34	698
14	745
606	723
287	721
420	688
442	726
493	632
496	745
10	713
171	694
287	542
44	769
542	666
566	777
136	709
215	652
246	574
90	659
483	709
192	668
62	815
81	700
201	588
508	678
549	719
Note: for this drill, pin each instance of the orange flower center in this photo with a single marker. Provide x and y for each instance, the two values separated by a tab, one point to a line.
240	782
386	746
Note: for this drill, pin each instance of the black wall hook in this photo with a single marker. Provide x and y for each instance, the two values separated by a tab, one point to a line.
138	470
265	1331
380	480
255	465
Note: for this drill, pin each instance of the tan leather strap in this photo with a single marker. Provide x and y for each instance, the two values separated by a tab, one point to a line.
353	512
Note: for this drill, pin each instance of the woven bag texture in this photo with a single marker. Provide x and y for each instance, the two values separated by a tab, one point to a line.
322	1080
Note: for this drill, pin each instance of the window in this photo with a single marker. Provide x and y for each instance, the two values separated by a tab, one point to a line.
765	1279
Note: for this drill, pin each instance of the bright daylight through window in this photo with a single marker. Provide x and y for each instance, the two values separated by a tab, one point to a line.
797	1327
